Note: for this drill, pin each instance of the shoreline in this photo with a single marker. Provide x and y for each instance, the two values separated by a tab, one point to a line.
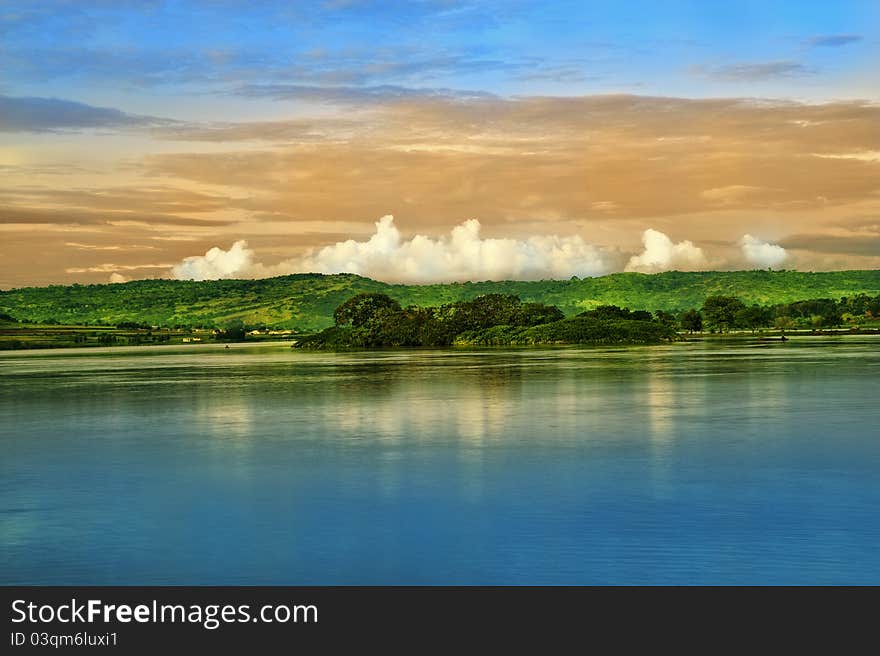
289	344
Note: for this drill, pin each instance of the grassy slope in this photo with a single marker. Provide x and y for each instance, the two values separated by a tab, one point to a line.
307	301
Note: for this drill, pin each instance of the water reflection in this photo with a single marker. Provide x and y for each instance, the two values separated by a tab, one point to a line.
696	462
227	417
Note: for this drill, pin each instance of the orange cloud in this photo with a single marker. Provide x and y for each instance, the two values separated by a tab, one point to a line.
602	167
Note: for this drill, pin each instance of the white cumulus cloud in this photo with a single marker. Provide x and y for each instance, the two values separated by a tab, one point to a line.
237	262
762	253
463	255
662	254
386	255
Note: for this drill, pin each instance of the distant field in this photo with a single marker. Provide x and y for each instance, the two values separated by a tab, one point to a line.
305	302
37	336
34	336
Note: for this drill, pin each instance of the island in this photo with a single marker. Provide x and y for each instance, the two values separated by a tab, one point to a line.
375	320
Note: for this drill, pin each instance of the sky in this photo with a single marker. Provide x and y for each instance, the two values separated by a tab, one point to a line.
435	140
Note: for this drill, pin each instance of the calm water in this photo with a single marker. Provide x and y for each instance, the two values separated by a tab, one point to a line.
700	463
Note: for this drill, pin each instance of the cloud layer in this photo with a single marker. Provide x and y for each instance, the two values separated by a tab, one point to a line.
217	263
833	40
296	124
460	256
49	114
662	254
464	255
603	167
754	71
598	157
762	253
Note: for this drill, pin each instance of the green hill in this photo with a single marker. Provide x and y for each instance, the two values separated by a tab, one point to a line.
307	301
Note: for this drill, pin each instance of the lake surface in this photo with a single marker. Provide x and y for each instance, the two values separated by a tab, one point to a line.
690	463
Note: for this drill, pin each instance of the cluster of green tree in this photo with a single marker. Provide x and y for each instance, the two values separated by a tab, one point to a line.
305	302
133	325
234	331
579	329
64	337
377	320
613	312
725	313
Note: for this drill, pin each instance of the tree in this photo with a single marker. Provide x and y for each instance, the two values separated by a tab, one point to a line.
358	310
832	317
719	312
613	312
234	330
607	312
692	321
784	323
535	314
489	310
641	315
753	317
856	305
664	317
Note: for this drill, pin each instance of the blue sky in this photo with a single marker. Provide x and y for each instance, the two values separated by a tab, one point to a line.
89	50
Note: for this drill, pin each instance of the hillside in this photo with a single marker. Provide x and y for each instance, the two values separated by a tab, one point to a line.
307	301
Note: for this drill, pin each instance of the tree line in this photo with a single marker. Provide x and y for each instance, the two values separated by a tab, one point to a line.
377	320
725	313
